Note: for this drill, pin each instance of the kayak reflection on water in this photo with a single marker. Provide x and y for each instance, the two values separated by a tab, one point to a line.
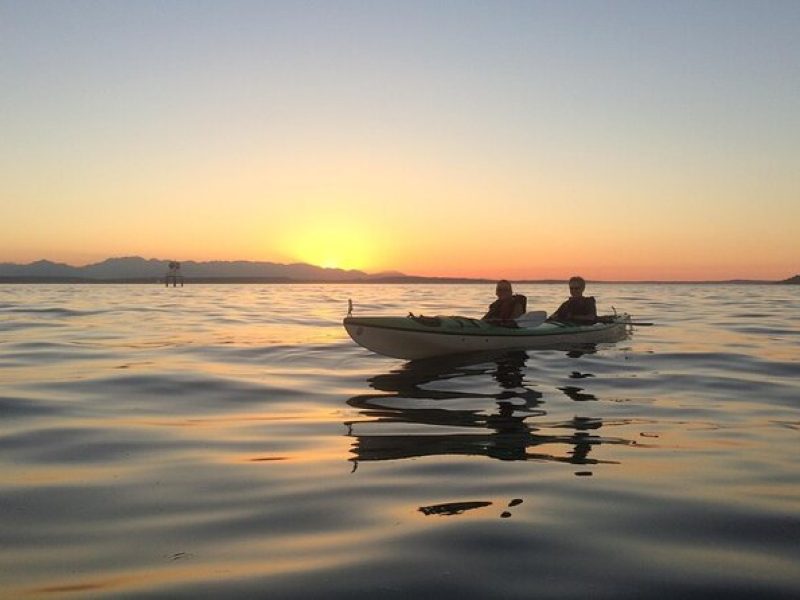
417	412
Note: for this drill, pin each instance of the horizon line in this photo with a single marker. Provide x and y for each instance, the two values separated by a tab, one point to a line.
387	274
389	280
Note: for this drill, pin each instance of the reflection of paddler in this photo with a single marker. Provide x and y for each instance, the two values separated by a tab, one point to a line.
509	369
512	436
512	439
408	381
583	446
506	434
577	393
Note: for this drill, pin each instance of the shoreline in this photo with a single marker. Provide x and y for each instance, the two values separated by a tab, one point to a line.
371	281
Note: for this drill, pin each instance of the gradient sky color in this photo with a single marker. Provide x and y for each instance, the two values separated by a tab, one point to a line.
619	140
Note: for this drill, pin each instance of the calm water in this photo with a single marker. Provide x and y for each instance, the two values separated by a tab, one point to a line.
232	441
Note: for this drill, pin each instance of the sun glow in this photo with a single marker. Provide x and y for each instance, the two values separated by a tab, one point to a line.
334	245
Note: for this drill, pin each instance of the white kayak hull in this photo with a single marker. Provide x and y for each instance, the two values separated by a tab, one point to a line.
397	338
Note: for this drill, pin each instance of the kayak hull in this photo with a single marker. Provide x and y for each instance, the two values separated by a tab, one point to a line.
414	338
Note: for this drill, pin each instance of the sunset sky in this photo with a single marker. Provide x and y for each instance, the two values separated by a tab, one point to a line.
618	140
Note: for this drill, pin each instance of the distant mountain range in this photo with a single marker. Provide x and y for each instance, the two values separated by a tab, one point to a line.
135	268
138	269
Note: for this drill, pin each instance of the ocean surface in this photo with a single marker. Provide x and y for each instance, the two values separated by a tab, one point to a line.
232	441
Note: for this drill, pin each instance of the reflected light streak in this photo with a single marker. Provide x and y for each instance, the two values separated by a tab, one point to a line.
168	574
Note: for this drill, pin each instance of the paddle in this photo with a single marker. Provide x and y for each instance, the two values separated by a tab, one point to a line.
537	317
636	323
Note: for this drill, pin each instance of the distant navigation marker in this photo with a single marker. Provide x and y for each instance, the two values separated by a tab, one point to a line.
174	274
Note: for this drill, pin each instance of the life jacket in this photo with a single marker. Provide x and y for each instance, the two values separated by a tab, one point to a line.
582	309
505	310
520	305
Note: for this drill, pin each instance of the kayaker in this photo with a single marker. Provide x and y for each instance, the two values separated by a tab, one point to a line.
578	309
507	307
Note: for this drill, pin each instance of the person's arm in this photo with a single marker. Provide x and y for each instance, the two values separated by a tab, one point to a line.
492	314
559	314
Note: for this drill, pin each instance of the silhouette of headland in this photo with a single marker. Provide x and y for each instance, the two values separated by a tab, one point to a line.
135	269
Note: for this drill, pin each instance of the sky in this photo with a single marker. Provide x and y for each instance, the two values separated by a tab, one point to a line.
516	139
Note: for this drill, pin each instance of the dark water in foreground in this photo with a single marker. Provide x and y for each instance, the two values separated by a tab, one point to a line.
232	441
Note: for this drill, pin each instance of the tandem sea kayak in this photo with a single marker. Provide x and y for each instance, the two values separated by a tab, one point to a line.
417	337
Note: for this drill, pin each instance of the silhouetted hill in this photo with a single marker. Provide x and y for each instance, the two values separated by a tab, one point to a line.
38	269
132	269
137	268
